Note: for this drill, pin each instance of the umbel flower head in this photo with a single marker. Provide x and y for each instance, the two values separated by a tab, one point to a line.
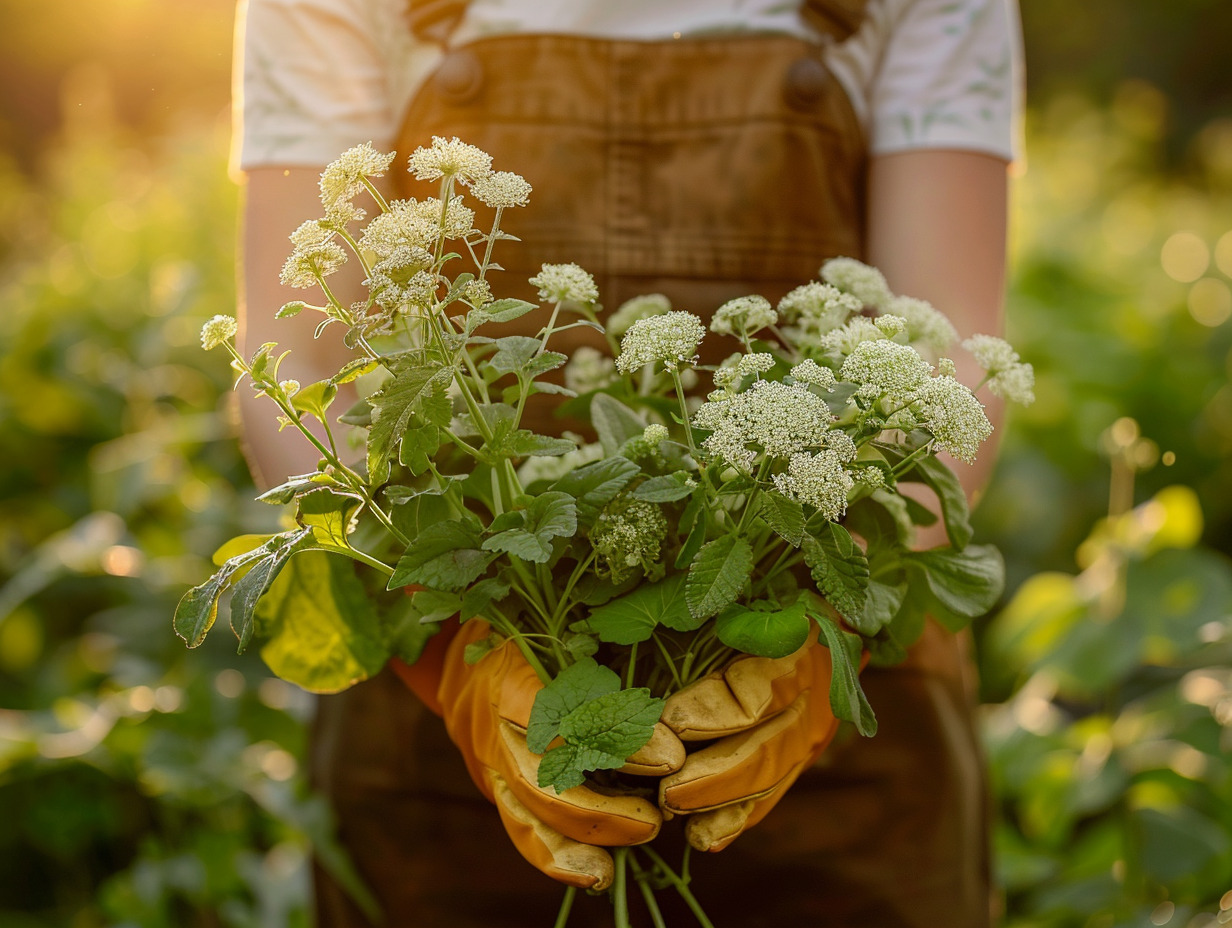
814	309
218	330
502	190
743	316
781	420
565	283
954	416
1007	376
819	480
867	284
637	308
670	339
627	535
343	177
450	158
895	370
309	263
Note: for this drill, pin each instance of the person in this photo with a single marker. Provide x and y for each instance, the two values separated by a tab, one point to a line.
703	150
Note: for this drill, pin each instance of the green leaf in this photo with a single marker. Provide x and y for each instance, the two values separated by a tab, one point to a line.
323	634
329	514
573	686
615	422
418	447
785	516
315	398
595	485
499	311
666	489
717	575
634	616
550	515
967	583
294	486
930	471
618	724
354	369
476	651
883	602
525	443
521	355
560	769
847	697
839	569
444	556
397	495
257	581
405	633
481	595
393	407
697	534
764	632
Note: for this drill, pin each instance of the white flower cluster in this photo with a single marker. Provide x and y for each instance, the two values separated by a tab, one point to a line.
856	331
890	325
895	370
311	262
819	480
954	416
812	373
670	339
502	190
743	316
1007	376
636	309
782	420
565	283
343	178
867	284
627	535
925	325
589	369
403	278
478	292
450	158
416	224
734	369
654	433
217	330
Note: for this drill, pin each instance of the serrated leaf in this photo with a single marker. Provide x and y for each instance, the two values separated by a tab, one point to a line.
764	633
294	486
666	489
615	422
581	645
968	583
717	575
883	602
513	353
697	533
520	543
328	513
397	495
291	309
930	471
576	684
785	516
498	311
634	616
479	596
618	724
847	697
560	770
394	405
418	448
595	485
315	398
444	556
322	631
250	588
839	569
525	443
354	369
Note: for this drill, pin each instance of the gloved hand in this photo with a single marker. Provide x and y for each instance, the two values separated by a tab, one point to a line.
486	708
772	718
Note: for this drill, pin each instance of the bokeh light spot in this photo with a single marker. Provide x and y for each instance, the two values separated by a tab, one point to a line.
1210	302
1185	257
229	683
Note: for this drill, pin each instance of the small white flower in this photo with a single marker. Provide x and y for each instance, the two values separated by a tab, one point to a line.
217	330
310	234
819	480
343	178
289	387
450	158
1015	383
781	419
841	444
477	292
403	225
895	370
670	339
342	212
890	325
925	325
565	283
991	353
589	369
628	534
654	433
502	190
845	339
810	372
743	316
871	477
954	416
459	219
946	368
867	284
631	311
756	363
817	308
308	263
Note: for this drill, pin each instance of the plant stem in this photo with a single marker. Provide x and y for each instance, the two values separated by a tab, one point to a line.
647	893
376	194
680	886
620	901
565	905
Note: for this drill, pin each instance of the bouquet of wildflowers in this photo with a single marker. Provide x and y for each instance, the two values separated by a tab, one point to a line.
683	531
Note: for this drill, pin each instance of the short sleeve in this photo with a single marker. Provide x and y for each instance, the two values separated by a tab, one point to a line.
312	78
950	76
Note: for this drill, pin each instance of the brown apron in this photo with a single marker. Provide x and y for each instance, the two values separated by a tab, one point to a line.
704	170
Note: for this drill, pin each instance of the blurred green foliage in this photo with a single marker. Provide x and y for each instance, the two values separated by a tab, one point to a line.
143	785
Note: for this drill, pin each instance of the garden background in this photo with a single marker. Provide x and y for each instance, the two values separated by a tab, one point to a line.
144	785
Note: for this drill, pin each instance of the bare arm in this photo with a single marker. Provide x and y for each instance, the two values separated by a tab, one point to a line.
937	230
276	201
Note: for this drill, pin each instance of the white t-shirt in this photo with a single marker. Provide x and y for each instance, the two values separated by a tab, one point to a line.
314	77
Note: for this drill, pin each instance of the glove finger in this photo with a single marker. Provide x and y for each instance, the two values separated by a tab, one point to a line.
746	692
751	764
563	859
713	831
663	754
579	813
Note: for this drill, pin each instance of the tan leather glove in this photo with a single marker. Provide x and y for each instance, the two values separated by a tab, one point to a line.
486	708
772	718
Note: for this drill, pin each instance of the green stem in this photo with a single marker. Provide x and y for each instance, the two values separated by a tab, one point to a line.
363	558
909	461
510	631
549	329
376	194
668	661
620	901
354	246
565	905
680	886
643	884
487	254
632	666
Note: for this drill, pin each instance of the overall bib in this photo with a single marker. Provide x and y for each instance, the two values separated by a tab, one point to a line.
703	170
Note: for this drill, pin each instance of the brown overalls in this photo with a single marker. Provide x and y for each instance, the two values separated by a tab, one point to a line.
704	170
